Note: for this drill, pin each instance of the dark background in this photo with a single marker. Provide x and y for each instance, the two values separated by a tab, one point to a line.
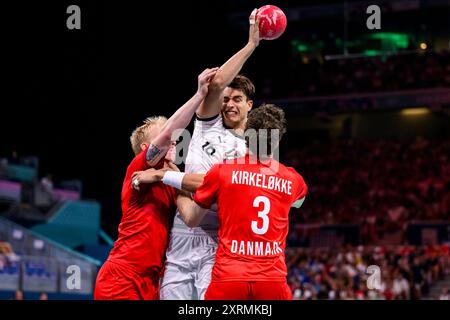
73	97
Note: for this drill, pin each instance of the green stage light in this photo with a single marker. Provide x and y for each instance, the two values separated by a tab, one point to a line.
398	40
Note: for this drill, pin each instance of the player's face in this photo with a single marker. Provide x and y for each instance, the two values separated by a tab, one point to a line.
235	107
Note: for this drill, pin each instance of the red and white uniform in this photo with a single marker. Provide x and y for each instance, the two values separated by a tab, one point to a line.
191	251
254	199
135	264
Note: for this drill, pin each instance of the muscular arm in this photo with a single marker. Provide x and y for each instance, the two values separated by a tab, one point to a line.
191	213
227	72
179	120
190	182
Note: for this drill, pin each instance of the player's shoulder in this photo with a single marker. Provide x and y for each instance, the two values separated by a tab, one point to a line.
139	162
208	122
293	173
208	127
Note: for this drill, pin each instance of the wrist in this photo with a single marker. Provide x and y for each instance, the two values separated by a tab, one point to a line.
252	44
160	175
200	95
173	178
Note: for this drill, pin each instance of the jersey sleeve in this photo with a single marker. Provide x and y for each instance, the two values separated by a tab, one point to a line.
301	191
207	193
139	162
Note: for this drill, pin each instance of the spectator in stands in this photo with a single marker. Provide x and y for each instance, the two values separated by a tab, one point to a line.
43	296
445	295
7	255
47	183
373	183
400	287
318	77
340	273
47	197
18	295
6	249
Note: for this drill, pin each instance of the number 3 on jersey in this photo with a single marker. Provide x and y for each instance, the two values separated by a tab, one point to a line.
261	214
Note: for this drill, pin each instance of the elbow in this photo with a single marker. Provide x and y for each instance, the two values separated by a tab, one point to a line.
187	217
191	223
166	134
217	83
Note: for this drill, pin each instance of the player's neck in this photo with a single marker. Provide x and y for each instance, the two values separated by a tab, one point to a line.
239	129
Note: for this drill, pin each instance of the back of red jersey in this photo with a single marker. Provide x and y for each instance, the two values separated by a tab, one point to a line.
254	199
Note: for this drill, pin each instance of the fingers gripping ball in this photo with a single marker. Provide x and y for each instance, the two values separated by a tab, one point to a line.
273	22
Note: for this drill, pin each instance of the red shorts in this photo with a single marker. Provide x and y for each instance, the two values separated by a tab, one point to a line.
248	290
116	282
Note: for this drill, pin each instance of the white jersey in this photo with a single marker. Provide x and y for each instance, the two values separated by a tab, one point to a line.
211	143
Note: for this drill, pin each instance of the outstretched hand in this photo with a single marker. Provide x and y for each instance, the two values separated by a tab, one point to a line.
204	79
254	36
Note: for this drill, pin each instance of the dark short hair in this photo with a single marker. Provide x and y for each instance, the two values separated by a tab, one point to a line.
266	117
244	84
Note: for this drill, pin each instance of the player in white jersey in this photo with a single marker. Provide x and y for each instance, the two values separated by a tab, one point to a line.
218	135
191	251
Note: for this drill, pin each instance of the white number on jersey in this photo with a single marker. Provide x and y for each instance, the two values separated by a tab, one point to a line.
261	214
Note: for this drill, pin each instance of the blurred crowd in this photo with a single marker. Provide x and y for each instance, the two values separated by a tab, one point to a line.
381	185
319	77
342	273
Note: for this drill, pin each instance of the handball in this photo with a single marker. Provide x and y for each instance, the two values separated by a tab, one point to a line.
273	22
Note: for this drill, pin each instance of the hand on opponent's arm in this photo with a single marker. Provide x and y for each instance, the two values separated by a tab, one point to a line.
151	175
189	182
179	120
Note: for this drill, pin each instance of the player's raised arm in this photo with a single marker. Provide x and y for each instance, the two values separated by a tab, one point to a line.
179	120
228	71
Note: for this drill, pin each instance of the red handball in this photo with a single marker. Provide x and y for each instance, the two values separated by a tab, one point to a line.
273	22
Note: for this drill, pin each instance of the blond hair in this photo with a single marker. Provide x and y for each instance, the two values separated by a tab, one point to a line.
142	134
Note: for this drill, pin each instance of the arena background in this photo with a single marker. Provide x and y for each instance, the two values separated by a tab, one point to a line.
368	115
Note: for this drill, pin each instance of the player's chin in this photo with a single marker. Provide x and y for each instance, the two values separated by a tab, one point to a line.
231	121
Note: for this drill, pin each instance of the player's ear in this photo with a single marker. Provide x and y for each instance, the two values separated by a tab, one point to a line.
250	104
144	146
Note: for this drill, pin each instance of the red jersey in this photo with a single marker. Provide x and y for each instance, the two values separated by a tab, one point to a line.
254	199
147	216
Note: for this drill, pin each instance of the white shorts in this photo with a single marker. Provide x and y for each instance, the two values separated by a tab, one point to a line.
187	274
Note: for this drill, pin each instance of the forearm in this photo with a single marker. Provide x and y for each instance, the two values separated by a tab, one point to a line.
180	180
190	212
179	120
182	117
192	181
226	73
230	69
